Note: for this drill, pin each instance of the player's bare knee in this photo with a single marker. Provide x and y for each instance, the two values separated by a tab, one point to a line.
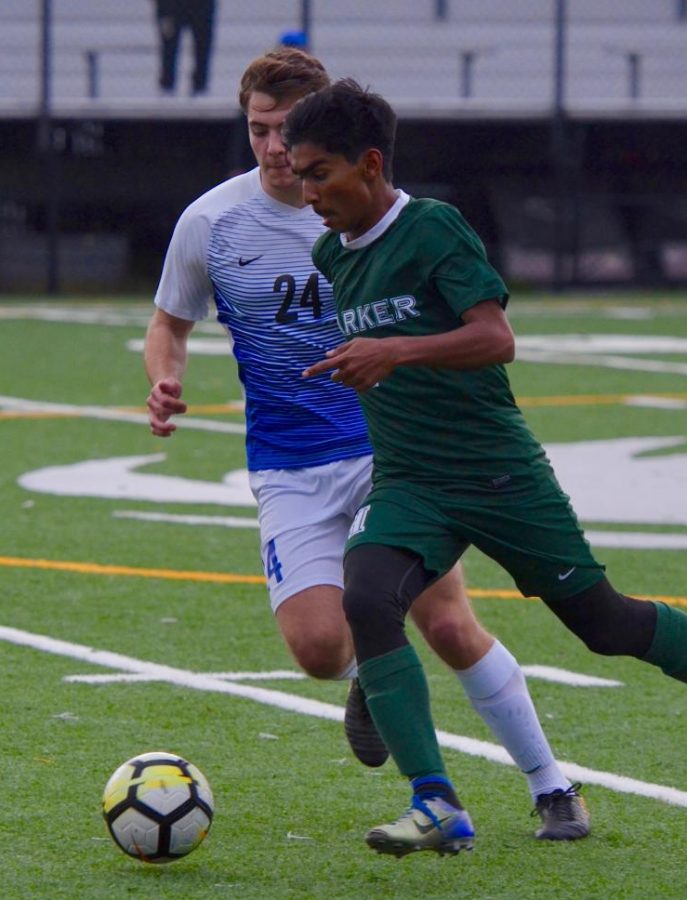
323	658
321	669
444	633
459	644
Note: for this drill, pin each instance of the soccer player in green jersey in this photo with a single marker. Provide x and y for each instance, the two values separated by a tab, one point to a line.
455	463
245	246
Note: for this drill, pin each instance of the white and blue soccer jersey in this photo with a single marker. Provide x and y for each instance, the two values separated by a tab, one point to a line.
252	254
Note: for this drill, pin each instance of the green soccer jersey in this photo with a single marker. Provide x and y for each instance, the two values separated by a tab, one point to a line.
458	429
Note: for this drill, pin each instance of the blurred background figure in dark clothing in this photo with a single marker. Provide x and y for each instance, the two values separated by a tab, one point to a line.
172	17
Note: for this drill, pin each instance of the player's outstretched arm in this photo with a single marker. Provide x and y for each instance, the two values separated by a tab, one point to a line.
165	357
484	339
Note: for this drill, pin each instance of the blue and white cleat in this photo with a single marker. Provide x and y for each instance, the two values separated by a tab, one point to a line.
430	824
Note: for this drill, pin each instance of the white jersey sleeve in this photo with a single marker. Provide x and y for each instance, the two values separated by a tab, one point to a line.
185	289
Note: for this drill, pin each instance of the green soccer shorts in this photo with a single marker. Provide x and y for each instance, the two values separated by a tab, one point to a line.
531	531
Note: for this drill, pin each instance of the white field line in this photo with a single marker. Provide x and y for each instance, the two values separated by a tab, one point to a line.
304	706
637	540
543	673
99	315
575	308
646	401
179	677
608	362
563	676
18	404
102	315
121	678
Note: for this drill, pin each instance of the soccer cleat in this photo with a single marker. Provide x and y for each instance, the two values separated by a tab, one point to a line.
366	742
430	824
564	815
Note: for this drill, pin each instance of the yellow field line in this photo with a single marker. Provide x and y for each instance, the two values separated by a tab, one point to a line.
516	595
210	409
594	399
86	568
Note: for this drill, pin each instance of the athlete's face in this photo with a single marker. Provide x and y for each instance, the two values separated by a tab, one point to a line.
339	191
265	120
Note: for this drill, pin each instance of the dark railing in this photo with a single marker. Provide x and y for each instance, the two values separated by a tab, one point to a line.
46	149
93	58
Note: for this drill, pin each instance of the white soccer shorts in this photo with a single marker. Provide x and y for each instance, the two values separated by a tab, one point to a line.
304	517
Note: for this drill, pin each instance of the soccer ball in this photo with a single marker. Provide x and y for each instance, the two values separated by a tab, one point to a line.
158	807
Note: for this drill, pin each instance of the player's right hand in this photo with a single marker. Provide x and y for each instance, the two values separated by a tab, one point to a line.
164	401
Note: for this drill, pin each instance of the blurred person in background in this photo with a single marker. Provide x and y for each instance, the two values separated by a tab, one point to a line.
172	17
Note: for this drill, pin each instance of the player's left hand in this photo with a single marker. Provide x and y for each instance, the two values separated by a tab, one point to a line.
359	364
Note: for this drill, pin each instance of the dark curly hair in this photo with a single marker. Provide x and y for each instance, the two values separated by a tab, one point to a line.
344	118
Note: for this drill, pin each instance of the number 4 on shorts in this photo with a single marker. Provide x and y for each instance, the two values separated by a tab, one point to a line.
273	564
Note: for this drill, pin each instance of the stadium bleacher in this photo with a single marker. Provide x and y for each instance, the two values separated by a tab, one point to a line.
451	69
484	55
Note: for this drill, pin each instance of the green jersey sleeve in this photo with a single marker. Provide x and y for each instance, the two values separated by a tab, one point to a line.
459	267
321	254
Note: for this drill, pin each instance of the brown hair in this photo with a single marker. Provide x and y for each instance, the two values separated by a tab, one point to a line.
282	73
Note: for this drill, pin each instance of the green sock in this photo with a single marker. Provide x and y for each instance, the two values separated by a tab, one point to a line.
668	648
398	699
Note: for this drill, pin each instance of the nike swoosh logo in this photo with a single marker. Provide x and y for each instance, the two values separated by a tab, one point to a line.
566	574
245	262
423	829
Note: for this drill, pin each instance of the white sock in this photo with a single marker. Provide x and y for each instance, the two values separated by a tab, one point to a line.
351	671
498	691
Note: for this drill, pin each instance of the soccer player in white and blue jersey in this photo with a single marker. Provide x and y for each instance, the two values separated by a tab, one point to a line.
246	245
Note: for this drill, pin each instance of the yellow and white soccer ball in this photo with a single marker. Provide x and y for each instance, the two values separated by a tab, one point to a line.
158	807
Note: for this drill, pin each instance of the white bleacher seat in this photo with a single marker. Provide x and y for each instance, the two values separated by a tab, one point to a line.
396	46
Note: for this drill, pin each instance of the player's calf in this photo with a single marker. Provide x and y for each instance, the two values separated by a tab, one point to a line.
609	623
